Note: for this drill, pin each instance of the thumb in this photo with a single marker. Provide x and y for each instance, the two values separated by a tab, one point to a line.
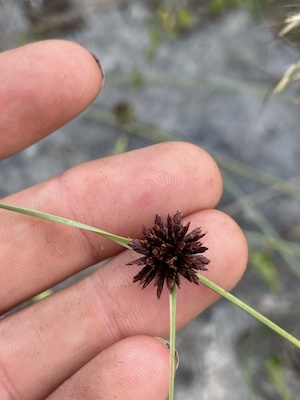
132	369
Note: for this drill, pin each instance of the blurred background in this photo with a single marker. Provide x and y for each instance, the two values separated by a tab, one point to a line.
203	72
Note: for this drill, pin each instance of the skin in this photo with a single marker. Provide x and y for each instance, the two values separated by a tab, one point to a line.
97	338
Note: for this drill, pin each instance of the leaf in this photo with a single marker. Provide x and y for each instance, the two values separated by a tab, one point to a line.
264	266
65	221
275	371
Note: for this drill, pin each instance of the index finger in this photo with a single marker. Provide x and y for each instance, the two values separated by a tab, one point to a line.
43	86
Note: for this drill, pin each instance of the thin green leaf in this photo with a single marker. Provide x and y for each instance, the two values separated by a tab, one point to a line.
65	221
275	371
239	303
264	266
42	295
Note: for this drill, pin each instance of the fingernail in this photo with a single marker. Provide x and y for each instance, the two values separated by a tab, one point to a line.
100	67
167	344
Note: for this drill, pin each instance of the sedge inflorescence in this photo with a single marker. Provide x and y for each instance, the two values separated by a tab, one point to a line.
168	252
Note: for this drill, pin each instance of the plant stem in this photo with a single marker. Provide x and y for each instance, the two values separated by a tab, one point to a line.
65	221
239	303
172	300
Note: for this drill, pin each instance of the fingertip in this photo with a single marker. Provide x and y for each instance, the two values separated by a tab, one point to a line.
230	249
134	368
73	57
227	246
228	255
167	344
84	64
196	162
79	71
147	361
44	85
100	68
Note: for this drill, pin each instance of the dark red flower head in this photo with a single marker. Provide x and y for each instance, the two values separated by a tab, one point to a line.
168	252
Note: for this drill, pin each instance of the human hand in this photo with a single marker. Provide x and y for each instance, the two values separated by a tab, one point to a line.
96	338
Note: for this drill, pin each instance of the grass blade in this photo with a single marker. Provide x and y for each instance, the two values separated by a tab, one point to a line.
239	303
65	221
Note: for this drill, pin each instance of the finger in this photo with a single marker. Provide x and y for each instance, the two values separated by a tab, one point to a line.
117	194
132	369
43	86
65	331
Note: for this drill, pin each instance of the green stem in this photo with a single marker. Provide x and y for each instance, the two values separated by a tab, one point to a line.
172	300
239	303
65	221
